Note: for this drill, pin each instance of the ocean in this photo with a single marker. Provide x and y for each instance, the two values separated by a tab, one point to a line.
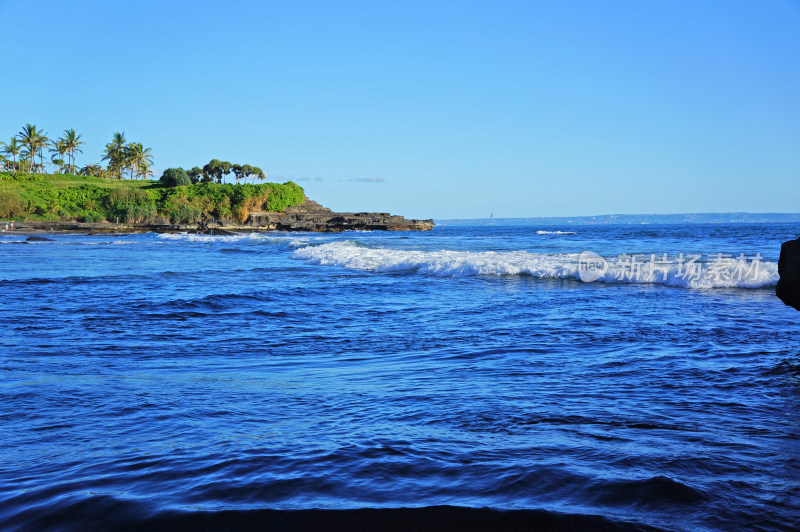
610	377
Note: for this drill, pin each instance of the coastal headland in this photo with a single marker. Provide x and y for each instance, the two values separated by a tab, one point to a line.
67	203
308	216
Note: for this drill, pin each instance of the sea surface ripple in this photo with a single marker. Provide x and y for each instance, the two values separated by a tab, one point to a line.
465	375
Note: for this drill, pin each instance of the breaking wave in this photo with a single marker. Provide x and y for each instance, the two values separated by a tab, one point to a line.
244	238
556	232
353	255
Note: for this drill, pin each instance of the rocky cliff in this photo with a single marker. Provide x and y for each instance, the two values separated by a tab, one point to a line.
311	216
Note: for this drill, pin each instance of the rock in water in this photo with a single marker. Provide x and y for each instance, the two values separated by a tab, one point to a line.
788	289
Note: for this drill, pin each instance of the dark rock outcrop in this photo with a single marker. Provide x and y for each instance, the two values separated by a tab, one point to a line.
311	216
788	289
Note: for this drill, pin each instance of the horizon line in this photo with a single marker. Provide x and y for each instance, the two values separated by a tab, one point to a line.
584	216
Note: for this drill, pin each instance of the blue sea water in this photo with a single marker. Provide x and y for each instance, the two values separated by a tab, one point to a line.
150	380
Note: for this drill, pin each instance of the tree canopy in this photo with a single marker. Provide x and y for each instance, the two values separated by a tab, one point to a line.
124	159
175	177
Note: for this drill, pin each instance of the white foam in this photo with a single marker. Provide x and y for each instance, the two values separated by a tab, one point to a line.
349	254
556	232
298	242
186	237
245	238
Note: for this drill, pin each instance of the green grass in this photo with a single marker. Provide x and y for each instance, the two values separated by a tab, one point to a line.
67	181
60	197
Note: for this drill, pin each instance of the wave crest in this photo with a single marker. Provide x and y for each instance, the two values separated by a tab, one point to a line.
244	238
352	255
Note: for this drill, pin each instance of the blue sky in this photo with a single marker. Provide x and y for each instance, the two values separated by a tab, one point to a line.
433	109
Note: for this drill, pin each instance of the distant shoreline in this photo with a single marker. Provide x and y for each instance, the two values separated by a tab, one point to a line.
635	219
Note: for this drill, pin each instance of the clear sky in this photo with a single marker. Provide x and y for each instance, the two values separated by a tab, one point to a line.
436	109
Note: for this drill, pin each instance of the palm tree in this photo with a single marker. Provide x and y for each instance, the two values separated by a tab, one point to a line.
25	161
225	167
73	143
58	148
35	139
92	170
28	137
213	170
195	174
13	150
145	170
127	156
58	162
237	172
41	143
115	154
247	170
28	162
139	158
259	173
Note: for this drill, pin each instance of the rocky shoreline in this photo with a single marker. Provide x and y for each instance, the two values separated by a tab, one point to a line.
311	216
308	216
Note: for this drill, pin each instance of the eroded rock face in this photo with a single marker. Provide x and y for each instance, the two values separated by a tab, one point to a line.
788	289
311	216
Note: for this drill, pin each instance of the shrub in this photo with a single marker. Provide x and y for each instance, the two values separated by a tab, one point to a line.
127	195
184	214
175	177
223	208
92	217
138	212
283	196
130	205
249	205
11	204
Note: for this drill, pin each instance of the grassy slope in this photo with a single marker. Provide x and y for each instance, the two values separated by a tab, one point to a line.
67	181
70	197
